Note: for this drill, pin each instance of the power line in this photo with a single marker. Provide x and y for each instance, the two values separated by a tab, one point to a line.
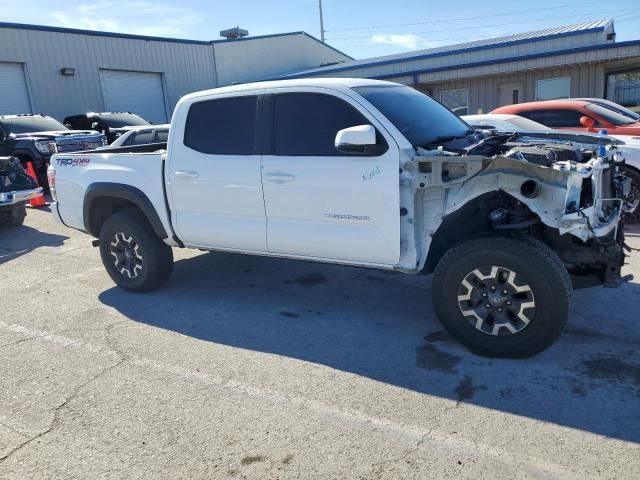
516	12
475	27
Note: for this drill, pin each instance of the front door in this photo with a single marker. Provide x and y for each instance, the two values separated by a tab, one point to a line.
510	94
214	175
322	203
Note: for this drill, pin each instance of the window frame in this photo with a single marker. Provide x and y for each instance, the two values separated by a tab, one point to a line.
267	124
466	90
538	99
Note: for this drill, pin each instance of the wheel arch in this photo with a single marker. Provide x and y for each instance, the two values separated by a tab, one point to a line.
103	199
468	222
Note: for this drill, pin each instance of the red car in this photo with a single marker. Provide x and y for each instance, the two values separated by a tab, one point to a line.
575	115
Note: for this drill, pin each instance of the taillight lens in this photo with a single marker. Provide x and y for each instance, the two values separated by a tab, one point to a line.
51	176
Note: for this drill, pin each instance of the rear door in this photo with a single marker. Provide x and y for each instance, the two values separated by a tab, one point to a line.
320	202
213	176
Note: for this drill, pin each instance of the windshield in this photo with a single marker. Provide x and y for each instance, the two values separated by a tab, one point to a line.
420	118
610	115
31	124
618	109
117	120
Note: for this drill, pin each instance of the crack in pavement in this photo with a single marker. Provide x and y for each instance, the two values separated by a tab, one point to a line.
122	357
57	411
441	439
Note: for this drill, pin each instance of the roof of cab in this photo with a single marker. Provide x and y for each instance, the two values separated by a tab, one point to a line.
335	83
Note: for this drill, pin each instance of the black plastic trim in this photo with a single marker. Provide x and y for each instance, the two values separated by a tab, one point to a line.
95	191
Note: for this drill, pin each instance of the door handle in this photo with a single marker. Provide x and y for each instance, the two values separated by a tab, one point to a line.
186	174
279	178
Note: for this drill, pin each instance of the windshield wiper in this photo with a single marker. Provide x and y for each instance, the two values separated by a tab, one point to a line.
441	140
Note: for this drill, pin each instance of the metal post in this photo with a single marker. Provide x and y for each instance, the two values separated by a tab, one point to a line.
321	22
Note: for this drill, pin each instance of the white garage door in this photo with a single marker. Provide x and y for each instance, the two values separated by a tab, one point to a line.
14	96
137	92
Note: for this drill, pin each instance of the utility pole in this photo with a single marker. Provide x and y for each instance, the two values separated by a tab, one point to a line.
321	22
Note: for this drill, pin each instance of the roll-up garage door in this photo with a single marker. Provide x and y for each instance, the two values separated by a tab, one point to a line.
14	96
137	92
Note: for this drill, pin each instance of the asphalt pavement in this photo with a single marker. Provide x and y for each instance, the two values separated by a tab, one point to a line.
251	367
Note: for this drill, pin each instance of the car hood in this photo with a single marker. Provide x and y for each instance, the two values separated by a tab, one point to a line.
52	135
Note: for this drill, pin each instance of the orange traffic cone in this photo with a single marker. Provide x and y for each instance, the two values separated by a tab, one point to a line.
38	201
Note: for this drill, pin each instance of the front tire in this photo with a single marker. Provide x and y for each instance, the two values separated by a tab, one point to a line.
13	217
502	297
133	255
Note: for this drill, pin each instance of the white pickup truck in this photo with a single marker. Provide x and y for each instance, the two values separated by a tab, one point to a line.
365	173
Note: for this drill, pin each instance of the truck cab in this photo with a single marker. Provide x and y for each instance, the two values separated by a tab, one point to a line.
365	173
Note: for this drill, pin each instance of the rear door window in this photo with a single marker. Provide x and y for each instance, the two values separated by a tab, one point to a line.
162	136
225	126
557	118
141	138
306	124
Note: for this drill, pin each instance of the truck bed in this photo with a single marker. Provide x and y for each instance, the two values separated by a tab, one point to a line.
137	167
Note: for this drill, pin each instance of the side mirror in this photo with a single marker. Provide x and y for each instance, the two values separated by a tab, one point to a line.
94	126
587	122
360	139
69	126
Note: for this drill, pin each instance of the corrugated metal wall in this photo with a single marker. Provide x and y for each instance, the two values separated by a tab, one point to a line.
587	80
185	67
247	61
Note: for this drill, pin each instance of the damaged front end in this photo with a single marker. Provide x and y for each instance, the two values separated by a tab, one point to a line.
573	204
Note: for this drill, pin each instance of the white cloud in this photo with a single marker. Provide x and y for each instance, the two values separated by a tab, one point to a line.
142	17
407	40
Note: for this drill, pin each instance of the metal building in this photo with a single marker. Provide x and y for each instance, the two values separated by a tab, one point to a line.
582	60
61	71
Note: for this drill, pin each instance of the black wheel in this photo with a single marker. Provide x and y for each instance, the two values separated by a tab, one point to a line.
13	217
135	258
502	297
632	208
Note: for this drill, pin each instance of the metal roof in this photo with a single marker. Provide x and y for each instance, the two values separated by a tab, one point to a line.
498	42
96	33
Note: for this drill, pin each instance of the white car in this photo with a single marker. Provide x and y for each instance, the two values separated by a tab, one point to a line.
142	135
364	173
503	122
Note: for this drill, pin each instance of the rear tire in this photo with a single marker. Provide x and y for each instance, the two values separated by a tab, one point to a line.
13	217
502	297
133	255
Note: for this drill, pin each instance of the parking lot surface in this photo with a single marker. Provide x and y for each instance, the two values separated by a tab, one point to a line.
250	367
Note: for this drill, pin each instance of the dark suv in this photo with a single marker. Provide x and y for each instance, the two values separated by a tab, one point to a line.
34	138
112	124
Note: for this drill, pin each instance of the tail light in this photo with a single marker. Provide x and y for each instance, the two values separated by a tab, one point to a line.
51	177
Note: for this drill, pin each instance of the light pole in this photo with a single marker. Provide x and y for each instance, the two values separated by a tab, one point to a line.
321	22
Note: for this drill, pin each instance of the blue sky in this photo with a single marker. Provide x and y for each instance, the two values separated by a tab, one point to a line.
361	28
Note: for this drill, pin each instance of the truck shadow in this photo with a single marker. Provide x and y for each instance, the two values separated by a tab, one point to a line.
18	241
381	325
